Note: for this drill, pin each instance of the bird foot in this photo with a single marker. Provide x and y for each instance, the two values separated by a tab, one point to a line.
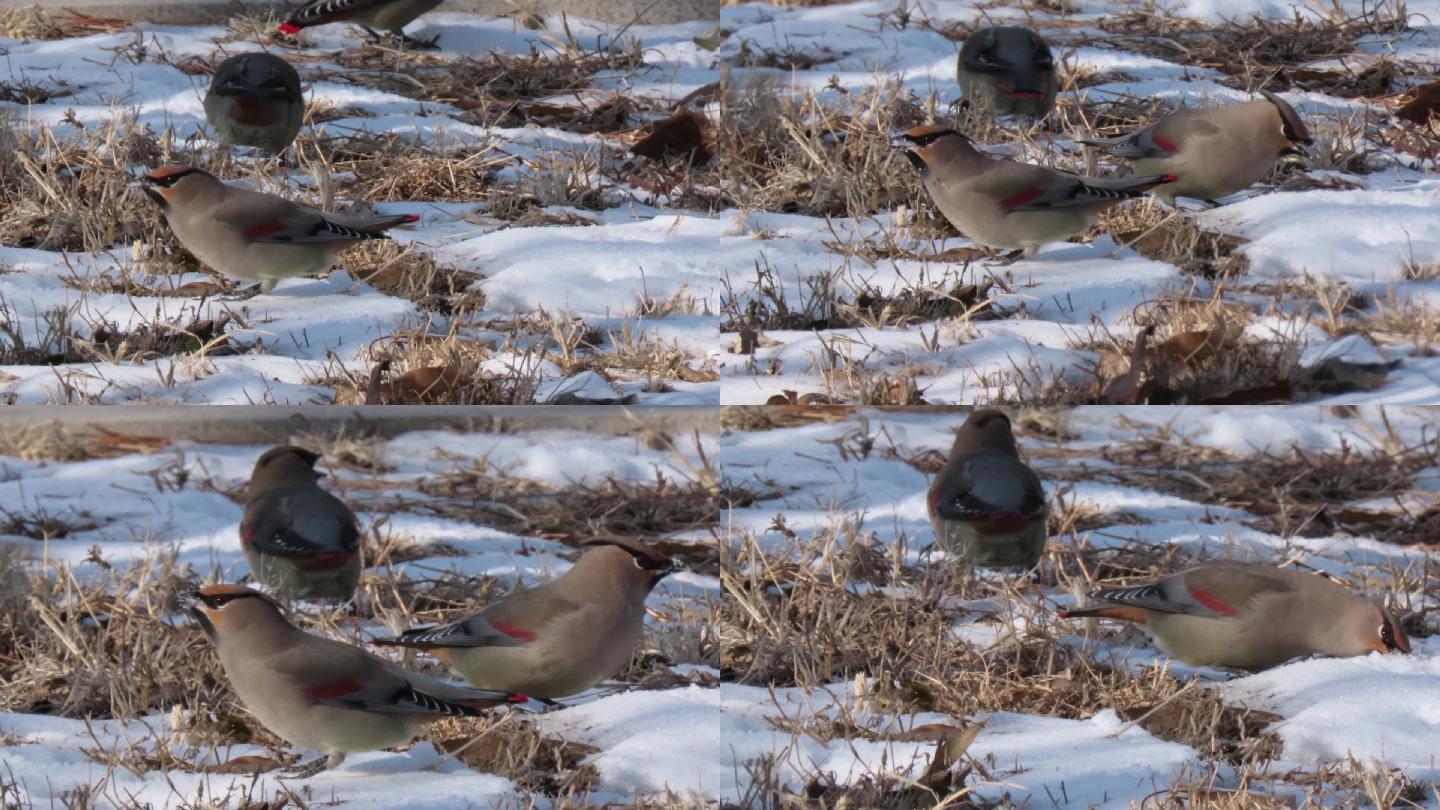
403	40
1009	258
246	294
431	44
307	769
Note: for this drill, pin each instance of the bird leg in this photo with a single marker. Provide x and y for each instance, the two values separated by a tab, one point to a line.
314	766
1010	258
247	293
419	44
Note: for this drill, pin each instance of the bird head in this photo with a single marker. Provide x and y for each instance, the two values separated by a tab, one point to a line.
226	609
1293	138
286	462
925	146
1018	57
987	427
1392	637
256	75
168	184
648	563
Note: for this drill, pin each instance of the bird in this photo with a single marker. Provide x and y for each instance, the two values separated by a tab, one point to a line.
390	15
1007	70
985	505
1249	616
1213	152
255	236
559	638
316	692
255	100
1005	204
299	539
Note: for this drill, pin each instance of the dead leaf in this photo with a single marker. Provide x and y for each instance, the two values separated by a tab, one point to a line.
194	289
1125	389
1424	106
960	254
688	374
1337	376
680	135
1194	348
429	385
245	764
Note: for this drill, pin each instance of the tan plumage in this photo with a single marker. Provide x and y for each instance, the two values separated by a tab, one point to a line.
250	235
986	506
1213	152
319	693
1252	617
1004	204
559	638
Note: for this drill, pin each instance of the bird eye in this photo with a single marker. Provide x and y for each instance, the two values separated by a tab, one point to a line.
1387	636
216	600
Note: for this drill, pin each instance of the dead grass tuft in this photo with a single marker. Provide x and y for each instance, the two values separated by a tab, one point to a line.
409	273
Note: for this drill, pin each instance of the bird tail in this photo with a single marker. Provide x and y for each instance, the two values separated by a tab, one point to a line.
1121	612
1140	185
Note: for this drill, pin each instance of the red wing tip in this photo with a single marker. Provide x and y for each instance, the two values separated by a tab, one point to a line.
518	697
1064	614
289	28
1169	178
412	217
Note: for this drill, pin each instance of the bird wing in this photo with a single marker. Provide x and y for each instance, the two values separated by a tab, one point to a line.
513	621
304	524
332	673
1026	187
320	12
266	218
954	495
1212	591
1160	140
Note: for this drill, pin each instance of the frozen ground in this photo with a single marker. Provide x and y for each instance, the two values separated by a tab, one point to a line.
125	512
607	267
1352	228
861	478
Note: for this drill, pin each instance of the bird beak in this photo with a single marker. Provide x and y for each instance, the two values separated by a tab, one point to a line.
1301	151
189	602
908	150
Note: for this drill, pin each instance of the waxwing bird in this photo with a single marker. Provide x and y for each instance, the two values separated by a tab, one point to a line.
300	540
1004	204
388	15
1213	152
1250	617
255	100
255	236
318	693
986	506
1007	70
560	638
